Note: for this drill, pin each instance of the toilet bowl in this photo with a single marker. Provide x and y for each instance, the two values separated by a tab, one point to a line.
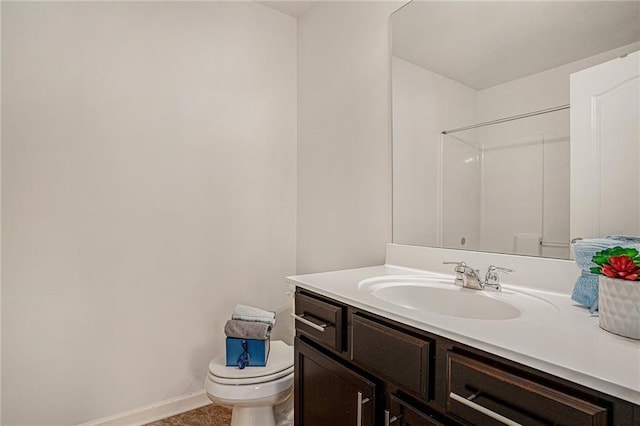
253	391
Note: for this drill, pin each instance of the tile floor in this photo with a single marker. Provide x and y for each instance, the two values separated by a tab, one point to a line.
209	415
216	415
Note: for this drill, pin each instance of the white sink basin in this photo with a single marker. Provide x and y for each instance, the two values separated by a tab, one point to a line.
441	296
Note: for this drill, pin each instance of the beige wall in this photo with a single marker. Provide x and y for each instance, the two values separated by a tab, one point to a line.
148	185
344	135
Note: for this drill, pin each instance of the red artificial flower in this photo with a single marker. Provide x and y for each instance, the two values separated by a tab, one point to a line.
621	267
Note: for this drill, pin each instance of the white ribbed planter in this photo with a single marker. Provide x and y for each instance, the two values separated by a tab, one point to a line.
619	306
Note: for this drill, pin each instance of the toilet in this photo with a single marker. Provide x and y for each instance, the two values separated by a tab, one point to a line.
253	391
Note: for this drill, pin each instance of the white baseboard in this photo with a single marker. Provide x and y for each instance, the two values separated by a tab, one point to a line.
155	411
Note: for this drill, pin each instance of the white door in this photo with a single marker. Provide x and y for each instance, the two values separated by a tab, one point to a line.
605	149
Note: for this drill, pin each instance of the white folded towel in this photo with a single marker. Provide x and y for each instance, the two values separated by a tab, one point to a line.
249	313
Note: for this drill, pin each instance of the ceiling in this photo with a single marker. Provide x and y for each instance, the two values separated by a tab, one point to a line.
292	8
485	43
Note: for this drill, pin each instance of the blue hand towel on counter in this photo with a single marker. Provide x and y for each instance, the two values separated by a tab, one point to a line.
585	291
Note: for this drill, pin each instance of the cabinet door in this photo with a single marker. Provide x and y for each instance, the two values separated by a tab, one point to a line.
483	394
401	413
329	393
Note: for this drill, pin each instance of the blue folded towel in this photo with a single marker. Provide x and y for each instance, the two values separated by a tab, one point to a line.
584	250
585	290
625	238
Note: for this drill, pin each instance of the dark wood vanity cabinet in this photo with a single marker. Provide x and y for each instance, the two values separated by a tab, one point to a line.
329	393
321	320
484	394
400	412
395	356
356	368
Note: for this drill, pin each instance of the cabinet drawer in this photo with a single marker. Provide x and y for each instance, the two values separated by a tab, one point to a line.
483	394
394	355
320	320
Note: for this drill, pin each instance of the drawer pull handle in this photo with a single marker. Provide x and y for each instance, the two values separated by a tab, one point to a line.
483	410
302	319
388	419
361	402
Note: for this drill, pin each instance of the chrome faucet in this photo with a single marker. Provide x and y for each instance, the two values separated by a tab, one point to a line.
492	280
459	269
468	277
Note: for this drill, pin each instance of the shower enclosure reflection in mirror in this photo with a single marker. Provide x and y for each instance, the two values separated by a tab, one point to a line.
505	184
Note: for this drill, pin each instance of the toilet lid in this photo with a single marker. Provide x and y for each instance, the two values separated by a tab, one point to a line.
279	363
252	380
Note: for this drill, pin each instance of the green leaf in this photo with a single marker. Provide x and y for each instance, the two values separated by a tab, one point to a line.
595	270
601	257
631	252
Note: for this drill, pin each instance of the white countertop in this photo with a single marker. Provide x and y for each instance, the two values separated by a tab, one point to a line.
565	342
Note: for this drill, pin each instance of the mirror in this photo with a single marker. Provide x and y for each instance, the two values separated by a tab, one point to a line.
480	105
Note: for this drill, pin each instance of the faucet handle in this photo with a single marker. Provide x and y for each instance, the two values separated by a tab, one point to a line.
459	269
491	279
458	265
493	268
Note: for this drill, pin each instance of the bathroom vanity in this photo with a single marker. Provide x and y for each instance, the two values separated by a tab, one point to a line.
362	358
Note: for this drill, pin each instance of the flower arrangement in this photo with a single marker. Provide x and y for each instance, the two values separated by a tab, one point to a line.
618	290
618	262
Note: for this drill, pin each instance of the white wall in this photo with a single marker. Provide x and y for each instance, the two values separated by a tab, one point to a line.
1	244
344	136
148	185
425	104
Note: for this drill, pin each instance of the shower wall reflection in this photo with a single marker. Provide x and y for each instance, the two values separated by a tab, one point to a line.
515	176
497	188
